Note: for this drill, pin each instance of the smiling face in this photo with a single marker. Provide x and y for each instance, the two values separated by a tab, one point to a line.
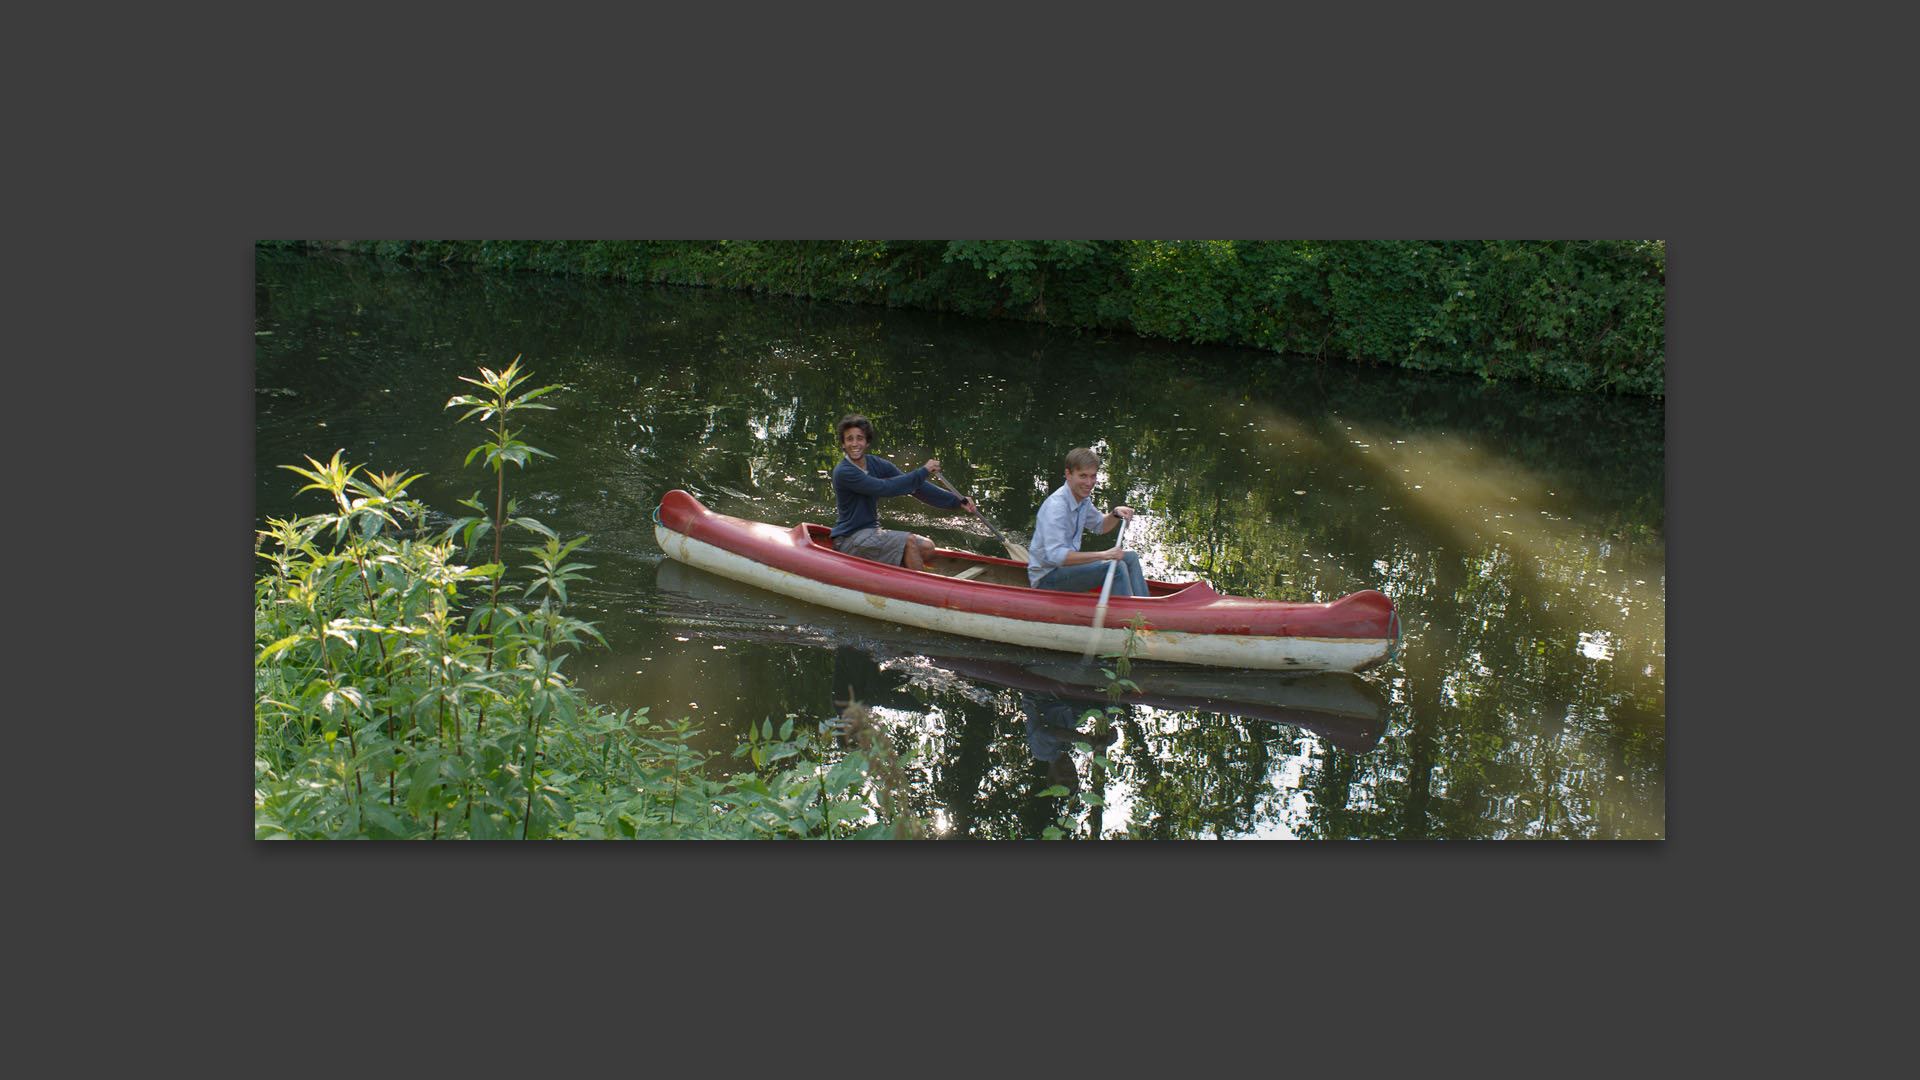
854	442
1080	481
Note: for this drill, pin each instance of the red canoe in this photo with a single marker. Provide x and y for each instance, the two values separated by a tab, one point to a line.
1345	709
985	597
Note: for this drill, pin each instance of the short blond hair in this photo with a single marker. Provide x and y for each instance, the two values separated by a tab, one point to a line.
1081	458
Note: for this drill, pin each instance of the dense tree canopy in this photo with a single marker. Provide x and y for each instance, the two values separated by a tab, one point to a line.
1571	315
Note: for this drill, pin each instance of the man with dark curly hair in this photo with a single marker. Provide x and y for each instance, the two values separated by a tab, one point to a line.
861	480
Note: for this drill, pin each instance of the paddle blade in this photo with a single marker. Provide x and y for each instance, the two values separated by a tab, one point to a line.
1099	614
1014	551
1093	638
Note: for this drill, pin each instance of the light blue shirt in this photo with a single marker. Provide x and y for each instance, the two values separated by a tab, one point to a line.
1056	531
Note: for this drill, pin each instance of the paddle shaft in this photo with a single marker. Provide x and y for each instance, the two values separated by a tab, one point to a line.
1106	590
1010	545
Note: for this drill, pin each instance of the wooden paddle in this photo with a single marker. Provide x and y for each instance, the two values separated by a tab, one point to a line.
1014	551
1100	609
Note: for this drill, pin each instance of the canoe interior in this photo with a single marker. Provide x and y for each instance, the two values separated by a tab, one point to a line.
988	569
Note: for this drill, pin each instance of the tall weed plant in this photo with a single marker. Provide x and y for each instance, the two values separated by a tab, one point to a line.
403	692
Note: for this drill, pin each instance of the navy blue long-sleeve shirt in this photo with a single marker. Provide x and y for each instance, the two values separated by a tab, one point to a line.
859	493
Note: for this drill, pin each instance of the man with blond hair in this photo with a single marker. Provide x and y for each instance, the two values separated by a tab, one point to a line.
1055	561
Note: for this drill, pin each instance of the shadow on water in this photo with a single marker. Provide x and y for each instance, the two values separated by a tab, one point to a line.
1520	533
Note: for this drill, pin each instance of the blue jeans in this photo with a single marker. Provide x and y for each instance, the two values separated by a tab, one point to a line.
1084	576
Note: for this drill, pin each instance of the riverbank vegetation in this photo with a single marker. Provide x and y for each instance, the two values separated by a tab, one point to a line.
404	690
1567	315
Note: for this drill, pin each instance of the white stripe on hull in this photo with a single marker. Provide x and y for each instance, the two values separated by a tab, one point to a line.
1220	650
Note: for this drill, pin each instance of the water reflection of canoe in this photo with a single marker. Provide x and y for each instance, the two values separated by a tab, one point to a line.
985	597
1343	708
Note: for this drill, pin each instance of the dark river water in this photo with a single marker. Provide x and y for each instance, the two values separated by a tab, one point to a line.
1520	534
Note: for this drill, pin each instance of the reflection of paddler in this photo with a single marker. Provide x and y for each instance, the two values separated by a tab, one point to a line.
1051	732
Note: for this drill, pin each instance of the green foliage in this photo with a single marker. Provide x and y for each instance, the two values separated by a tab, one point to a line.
1197	291
389	706
798	790
1065	282
1570	315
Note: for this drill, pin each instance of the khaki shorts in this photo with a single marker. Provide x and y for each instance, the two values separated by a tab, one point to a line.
880	545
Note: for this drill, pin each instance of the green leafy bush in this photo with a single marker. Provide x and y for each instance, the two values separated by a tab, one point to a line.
401	693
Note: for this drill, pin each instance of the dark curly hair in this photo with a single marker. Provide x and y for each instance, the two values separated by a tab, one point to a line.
852	419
